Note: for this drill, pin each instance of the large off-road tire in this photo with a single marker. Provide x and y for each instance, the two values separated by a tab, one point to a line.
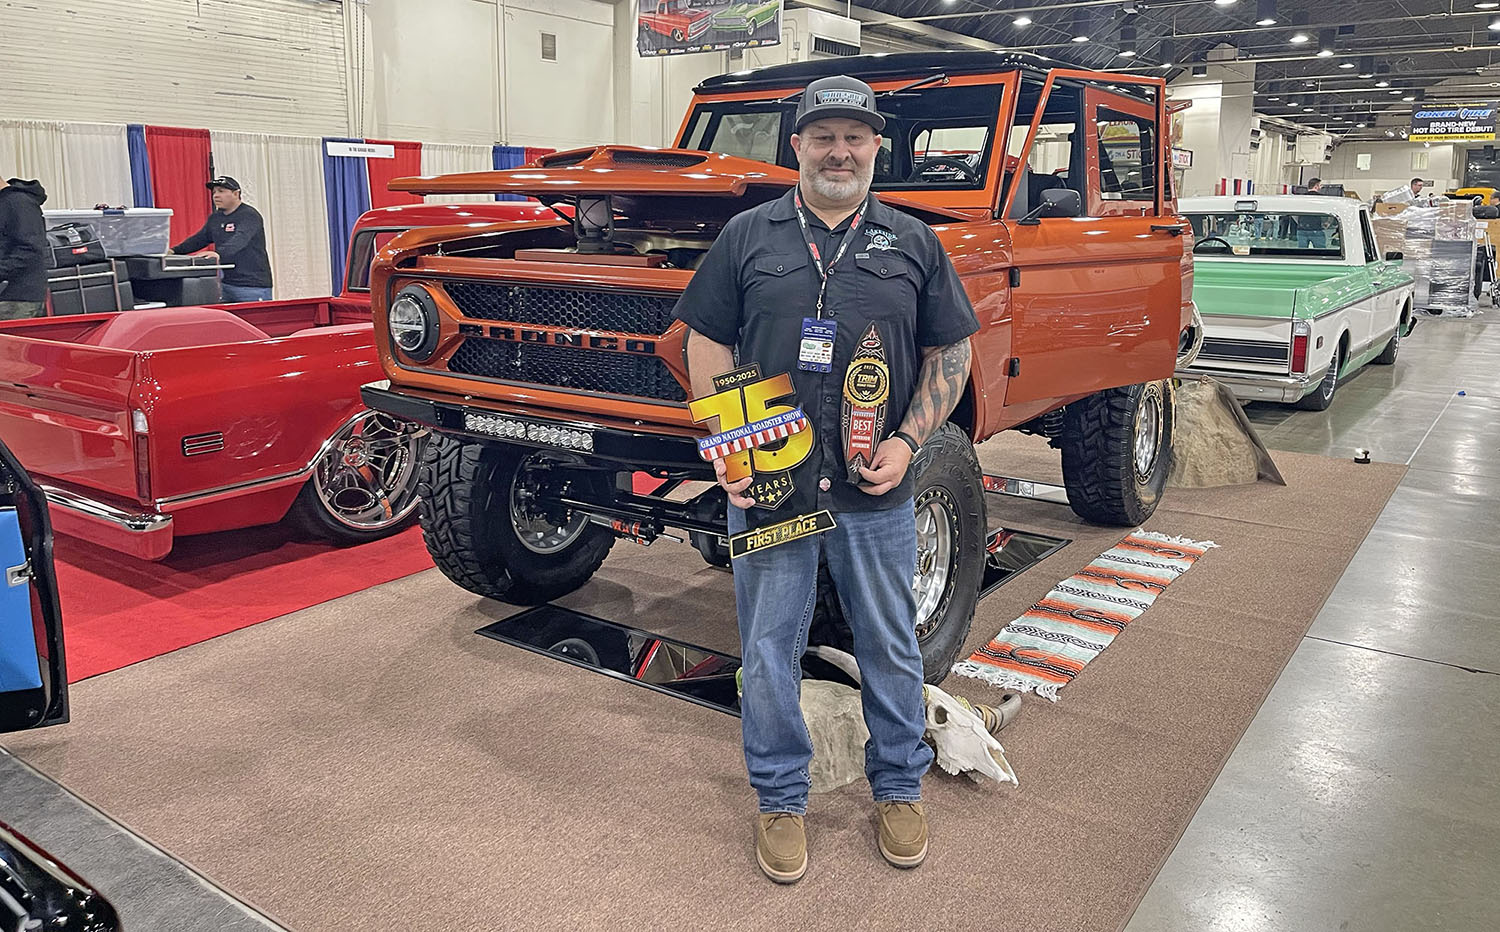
489	525
951	534
364	485
1117	452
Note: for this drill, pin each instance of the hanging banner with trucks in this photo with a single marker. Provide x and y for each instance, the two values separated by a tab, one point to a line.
678	27
1453	123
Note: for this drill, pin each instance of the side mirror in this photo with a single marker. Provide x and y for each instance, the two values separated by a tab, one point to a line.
1061	202
1056	202
1394	256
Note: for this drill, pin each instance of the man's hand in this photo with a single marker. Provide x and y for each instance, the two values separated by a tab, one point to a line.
892	458
735	488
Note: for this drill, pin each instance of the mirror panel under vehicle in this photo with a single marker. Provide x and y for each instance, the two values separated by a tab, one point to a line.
33	676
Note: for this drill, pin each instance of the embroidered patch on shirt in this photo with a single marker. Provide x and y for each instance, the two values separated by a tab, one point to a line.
881	239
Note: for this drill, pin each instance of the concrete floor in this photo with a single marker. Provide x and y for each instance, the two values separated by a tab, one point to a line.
1365	796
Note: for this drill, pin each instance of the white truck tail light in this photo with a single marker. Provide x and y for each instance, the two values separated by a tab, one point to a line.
141	441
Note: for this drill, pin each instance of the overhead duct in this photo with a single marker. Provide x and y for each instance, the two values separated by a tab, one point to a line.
819	35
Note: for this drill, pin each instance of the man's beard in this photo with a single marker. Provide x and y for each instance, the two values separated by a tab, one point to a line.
838	191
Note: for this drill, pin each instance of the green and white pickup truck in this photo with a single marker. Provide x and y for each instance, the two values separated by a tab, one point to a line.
1294	294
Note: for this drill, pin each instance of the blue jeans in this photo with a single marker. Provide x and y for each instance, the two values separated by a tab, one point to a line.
239	294
872	556
1312	239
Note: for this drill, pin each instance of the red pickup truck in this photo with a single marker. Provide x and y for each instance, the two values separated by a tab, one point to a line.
144	425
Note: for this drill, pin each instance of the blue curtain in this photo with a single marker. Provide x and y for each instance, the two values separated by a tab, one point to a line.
346	186
509	157
140	165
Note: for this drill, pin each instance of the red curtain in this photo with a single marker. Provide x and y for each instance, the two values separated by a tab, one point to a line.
180	167
407	163
533	153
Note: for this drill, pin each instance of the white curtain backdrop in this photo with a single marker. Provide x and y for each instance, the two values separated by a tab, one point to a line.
282	177
300	261
96	165
447	158
34	149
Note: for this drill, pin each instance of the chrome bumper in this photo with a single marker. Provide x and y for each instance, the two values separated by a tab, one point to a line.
1282	388
147	535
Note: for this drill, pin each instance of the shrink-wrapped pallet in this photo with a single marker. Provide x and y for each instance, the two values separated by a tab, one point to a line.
1440	256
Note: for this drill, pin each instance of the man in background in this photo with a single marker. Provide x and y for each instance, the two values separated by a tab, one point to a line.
1314	186
23	250
238	235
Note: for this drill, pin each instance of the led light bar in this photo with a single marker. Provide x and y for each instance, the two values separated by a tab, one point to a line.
506	428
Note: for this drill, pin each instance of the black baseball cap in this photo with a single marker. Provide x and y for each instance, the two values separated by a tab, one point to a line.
223	181
838	96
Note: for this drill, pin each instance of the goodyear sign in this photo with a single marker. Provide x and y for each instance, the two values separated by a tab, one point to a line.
1453	122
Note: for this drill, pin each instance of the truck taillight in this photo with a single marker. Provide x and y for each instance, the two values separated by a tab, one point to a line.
1299	346
141	440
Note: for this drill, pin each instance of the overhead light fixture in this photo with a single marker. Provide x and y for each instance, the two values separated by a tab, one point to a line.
1130	7
1325	43
1346	65
1022	20
1395	90
1265	13
1485	6
1360	125
1409	97
1300	36
1389	133
1367	66
1223	2
1495	23
1382	84
1273	98
1082	22
1127	40
1307	109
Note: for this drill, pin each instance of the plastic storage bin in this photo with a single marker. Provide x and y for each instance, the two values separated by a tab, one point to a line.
134	231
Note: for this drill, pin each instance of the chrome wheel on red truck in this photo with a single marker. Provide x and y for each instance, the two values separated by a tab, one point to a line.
493	521
1117	452
364	483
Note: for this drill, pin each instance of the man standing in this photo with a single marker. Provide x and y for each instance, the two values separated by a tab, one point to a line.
865	278
23	250
238	235
1416	188
1314	186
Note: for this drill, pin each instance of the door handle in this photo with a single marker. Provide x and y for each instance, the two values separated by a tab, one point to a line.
1175	229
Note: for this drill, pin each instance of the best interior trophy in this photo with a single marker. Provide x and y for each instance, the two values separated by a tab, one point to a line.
761	439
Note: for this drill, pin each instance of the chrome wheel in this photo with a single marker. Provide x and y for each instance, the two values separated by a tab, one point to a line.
935	523
366	479
542	529
1148	430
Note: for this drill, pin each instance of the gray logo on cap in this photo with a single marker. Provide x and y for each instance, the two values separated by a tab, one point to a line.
849	98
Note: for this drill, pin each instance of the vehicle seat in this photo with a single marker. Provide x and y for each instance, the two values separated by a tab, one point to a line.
367	326
165	328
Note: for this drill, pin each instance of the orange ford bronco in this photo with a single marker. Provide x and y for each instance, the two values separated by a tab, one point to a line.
545	358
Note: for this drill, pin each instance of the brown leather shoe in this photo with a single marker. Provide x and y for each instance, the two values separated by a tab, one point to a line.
903	833
781	846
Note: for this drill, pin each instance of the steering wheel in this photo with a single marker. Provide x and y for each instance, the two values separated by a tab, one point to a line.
1228	247
945	161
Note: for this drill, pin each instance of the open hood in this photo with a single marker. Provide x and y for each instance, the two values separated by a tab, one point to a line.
634	172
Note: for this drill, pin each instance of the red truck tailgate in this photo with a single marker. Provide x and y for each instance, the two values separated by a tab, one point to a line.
65	410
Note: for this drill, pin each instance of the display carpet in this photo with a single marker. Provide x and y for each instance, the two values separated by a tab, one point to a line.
373	763
118	610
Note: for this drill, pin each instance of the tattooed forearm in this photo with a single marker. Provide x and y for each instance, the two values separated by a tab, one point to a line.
940	383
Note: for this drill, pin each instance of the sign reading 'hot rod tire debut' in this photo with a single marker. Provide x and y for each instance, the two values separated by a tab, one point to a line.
1453	122
678	27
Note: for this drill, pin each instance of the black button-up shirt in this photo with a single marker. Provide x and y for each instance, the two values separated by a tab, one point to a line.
758	282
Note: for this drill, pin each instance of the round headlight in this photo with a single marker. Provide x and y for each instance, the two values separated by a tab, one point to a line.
413	322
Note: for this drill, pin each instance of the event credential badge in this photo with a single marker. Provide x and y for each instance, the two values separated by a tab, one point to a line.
867	388
760	439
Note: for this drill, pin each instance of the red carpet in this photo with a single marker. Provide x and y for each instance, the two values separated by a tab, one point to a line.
118	610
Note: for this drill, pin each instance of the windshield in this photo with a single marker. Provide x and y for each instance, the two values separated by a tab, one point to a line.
1257	234
935	137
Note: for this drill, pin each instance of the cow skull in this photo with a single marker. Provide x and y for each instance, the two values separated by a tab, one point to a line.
958	734
963	744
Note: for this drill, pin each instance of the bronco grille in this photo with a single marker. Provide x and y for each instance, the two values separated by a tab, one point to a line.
563	307
565	367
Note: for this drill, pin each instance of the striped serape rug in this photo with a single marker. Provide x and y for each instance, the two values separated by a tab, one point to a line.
1045	648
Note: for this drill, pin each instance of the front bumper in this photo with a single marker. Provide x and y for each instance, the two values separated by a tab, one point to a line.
1285	389
613	442
146	535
